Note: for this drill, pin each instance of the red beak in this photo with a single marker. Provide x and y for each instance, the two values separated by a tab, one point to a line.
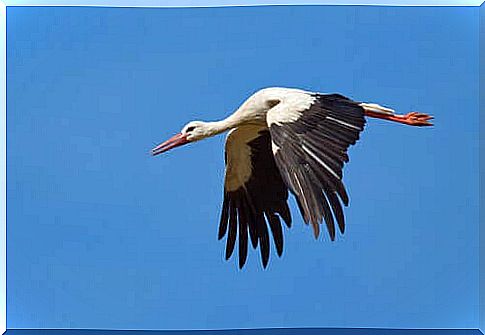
175	141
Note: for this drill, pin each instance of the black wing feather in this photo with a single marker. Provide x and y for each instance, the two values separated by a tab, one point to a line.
312	152
260	202
276	230
231	236
243	235
224	217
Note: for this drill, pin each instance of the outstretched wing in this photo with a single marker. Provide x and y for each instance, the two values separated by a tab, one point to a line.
311	134
255	195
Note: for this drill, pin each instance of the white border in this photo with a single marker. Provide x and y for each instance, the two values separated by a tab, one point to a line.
230	3
131	3
3	167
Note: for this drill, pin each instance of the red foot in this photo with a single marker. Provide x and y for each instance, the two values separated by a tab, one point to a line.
412	119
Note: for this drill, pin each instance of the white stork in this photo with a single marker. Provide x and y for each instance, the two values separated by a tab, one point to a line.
284	139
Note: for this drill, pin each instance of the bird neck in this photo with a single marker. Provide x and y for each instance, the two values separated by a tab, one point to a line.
219	127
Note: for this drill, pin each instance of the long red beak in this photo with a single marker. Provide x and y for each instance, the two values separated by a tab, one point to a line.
175	141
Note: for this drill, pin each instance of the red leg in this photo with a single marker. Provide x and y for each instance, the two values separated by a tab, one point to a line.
412	119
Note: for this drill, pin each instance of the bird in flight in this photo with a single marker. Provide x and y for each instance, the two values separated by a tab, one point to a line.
283	140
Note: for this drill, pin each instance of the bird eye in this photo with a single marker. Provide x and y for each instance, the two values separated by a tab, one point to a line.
189	129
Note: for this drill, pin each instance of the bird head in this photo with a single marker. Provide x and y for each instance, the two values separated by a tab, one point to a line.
191	132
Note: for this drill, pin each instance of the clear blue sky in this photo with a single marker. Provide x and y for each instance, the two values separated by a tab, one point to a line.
101	235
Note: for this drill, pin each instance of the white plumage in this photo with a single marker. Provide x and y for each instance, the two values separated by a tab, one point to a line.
238	156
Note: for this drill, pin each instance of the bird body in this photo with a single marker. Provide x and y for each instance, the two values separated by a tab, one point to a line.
284	140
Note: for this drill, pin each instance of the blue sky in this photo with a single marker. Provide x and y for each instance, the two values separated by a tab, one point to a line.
101	235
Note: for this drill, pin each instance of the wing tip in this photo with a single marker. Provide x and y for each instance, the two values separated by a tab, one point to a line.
228	255
342	229
241	264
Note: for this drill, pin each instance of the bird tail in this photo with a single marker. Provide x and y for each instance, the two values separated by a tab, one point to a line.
375	108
